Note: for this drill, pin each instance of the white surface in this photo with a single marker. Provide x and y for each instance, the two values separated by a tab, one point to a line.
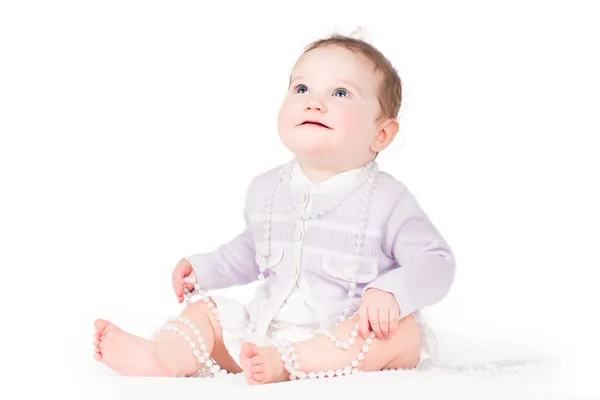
535	379
129	130
557	374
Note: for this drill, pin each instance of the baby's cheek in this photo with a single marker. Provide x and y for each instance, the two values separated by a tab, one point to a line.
284	114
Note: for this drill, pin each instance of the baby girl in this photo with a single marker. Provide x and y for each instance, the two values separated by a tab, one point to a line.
344	256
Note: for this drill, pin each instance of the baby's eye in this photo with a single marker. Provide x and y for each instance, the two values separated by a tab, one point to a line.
301	87
343	93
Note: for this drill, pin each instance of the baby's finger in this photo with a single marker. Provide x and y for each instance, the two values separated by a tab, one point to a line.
374	321
178	290
363	322
393	322
177	278
384	321
190	287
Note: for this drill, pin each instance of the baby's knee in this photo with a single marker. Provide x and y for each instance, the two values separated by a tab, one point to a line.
407	344
204	309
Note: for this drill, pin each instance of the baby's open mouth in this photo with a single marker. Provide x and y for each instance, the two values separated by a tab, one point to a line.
315	123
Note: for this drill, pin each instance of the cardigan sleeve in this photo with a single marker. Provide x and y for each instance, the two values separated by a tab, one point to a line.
425	266
230	264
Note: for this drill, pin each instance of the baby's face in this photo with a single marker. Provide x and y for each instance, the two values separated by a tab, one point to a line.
337	88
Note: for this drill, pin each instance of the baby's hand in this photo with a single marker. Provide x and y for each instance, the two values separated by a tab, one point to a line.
182	270
380	310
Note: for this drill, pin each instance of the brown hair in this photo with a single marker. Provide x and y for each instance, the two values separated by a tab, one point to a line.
390	85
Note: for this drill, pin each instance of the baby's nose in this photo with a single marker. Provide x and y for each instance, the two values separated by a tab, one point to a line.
314	105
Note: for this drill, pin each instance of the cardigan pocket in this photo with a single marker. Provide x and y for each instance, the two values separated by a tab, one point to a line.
362	270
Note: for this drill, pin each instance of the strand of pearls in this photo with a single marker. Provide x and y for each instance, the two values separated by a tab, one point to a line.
200	350
341	344
370	170
209	366
291	362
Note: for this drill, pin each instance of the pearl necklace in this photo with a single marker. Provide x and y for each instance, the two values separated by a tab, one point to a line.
286	350
209	366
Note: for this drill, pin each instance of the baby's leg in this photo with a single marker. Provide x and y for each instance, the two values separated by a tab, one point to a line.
402	350
168	354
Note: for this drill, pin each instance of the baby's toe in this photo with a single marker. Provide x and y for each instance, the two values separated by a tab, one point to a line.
258	368
259	376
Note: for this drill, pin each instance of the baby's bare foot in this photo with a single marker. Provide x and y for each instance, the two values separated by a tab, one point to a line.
262	364
127	354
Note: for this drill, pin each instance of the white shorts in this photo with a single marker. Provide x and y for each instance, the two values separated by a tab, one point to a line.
234	319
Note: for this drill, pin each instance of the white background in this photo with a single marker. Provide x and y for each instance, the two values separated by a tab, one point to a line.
129	131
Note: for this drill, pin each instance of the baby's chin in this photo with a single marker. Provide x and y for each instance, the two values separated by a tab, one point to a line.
307	146
310	140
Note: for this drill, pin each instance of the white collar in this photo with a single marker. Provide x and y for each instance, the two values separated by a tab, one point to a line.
336	183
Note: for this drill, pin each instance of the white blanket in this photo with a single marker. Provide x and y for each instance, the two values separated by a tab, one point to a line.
551	376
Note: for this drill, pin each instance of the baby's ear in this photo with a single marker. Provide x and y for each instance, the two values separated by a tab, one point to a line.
385	134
